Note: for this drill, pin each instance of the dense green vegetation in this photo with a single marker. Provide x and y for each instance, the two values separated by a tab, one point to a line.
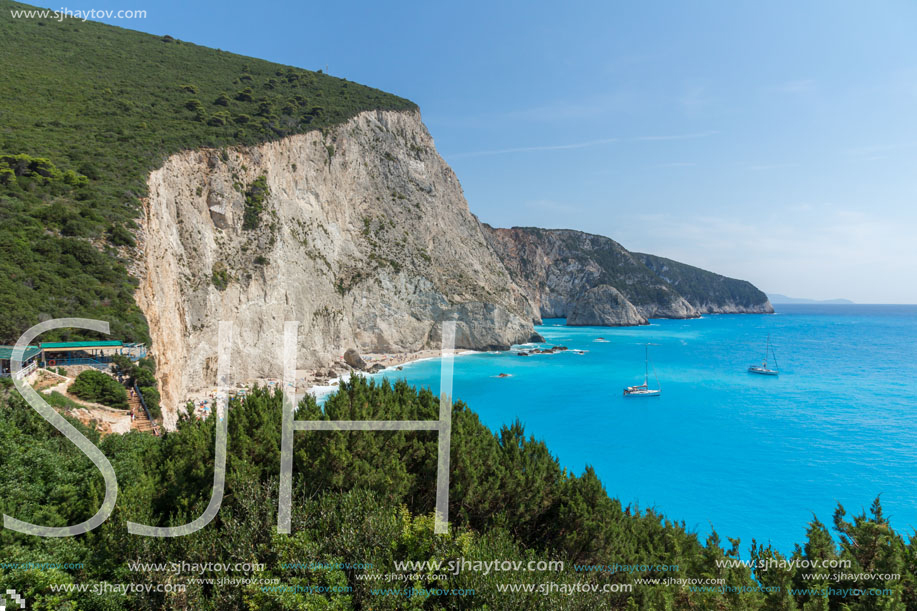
86	111
95	386
141	374
364	497
255	195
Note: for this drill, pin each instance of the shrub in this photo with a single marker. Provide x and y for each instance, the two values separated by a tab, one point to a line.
123	366
143	377
119	236
76	226
141	373
151	398
97	387
220	278
221	117
255	195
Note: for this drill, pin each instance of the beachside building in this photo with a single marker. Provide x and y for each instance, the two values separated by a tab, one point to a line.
93	353
30	359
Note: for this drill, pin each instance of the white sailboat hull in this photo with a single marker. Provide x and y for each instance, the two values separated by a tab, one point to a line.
641	391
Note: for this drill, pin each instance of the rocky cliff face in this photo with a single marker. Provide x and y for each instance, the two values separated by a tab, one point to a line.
361	233
603	305
709	293
593	280
558	268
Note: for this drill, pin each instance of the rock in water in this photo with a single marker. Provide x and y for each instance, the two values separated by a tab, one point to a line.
353	358
604	305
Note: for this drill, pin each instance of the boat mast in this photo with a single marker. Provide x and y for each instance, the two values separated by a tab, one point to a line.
646	366
767	348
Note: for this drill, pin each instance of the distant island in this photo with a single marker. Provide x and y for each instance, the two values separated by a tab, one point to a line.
777	298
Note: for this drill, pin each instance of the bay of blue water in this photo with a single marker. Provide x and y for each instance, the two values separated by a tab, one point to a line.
752	456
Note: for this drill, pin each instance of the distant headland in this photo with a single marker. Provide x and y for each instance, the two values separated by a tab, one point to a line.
777	298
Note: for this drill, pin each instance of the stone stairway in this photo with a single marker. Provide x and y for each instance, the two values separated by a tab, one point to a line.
141	422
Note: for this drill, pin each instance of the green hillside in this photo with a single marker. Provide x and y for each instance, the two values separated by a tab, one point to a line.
86	111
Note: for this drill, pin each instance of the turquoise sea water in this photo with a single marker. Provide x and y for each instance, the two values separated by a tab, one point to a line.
753	456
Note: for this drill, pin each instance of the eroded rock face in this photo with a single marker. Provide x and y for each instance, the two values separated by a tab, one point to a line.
558	267
604	305
365	238
706	292
568	273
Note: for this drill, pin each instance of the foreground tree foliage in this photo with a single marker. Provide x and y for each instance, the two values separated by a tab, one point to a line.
93	385
366	499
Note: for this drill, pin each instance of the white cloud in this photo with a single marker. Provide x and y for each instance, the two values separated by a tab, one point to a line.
662	138
580	145
676	164
798	87
532	149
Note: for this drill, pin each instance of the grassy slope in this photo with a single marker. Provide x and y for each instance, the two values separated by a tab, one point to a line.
112	104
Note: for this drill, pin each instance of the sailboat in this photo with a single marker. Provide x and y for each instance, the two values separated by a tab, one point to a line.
644	390
763	368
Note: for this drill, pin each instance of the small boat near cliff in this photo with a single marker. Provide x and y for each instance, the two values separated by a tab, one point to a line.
644	390
763	369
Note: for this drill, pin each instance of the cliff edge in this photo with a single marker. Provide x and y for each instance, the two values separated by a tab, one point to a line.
593	280
360	232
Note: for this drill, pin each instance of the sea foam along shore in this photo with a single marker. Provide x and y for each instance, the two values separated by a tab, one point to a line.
392	364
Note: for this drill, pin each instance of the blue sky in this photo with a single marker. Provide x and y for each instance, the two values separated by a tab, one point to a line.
771	141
